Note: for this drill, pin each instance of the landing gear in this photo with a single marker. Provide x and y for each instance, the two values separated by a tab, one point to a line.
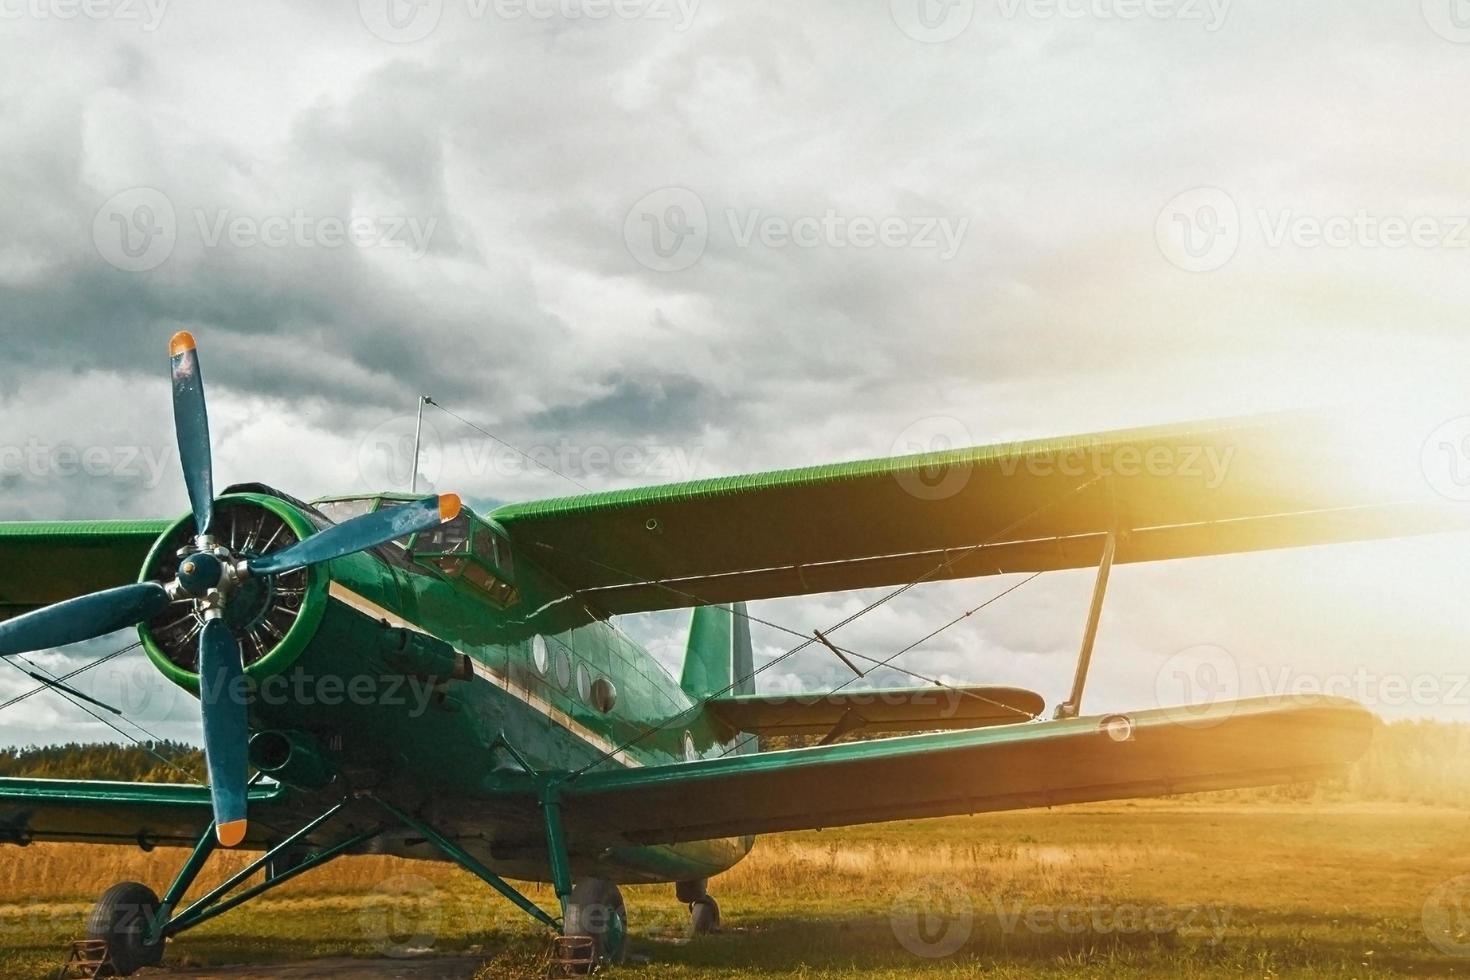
704	911
124	918
704	916
595	911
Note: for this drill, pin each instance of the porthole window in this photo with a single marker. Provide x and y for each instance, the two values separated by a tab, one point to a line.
584	683
690	752
539	656
604	695
563	669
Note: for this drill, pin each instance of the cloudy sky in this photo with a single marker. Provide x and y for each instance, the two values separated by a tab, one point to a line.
726	237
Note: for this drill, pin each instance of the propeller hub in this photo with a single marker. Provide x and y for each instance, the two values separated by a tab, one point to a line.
200	573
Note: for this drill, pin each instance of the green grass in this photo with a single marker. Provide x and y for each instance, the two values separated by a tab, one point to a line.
1252	889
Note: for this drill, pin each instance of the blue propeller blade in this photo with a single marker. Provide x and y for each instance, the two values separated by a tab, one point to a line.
83	618
191	423
359	534
226	730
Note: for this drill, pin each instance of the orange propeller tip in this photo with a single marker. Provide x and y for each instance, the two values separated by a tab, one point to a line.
449	506
231	834
182	343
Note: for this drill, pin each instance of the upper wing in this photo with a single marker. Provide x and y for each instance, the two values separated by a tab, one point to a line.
1172	750
46	562
1178	491
98	812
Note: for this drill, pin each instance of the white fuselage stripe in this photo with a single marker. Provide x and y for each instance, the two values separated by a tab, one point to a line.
535	701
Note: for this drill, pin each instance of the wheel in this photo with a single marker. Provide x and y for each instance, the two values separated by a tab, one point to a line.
704	916
595	909
122	917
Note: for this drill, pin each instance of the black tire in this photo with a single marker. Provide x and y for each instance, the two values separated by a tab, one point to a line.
595	909
122	917
704	916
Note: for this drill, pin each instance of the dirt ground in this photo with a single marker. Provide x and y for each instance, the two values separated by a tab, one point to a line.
428	968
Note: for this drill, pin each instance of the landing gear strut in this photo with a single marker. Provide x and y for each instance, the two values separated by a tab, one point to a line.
704	911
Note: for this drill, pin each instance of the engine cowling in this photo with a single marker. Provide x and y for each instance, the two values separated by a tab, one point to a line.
273	617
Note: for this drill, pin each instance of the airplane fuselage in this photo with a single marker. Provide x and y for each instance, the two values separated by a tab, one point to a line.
540	684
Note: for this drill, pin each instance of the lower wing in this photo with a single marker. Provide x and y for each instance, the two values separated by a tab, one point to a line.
142	814
1150	753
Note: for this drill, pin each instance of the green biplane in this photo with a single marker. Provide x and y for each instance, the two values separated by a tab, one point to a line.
549	747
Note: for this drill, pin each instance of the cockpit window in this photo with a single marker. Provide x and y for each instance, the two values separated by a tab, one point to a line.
445	539
338	511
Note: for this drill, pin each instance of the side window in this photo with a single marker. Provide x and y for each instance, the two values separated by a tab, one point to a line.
449	538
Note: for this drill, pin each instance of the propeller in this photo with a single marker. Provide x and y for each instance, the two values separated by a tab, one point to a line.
207	577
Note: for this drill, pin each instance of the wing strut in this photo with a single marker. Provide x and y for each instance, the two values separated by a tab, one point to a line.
1073	705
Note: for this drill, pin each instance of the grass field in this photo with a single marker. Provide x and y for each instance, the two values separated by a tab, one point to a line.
1153	889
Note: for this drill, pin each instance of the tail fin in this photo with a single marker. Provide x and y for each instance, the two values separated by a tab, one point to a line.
718	659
